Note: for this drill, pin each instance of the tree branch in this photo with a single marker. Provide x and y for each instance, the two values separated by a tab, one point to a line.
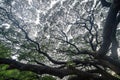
105	3
43	69
109	28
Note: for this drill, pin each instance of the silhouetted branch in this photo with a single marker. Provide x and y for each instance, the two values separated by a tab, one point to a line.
105	3
43	69
70	44
16	23
109	29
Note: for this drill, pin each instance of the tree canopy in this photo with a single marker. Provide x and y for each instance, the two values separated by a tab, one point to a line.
71	39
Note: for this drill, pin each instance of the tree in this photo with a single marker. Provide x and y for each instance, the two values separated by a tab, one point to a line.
62	38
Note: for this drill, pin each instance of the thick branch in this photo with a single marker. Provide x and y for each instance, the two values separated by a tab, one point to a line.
105	3
109	29
44	69
115	43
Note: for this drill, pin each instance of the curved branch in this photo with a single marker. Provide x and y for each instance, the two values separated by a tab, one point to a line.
44	69
16	23
70	44
109	29
105	3
59	72
115	43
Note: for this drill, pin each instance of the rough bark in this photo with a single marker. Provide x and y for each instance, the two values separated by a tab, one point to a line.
39	69
109	30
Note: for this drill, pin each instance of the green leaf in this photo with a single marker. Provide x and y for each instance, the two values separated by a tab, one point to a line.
48	78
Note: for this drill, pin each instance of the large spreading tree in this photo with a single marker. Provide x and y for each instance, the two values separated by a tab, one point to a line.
71	39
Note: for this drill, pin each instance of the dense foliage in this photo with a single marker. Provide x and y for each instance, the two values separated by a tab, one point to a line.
41	39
